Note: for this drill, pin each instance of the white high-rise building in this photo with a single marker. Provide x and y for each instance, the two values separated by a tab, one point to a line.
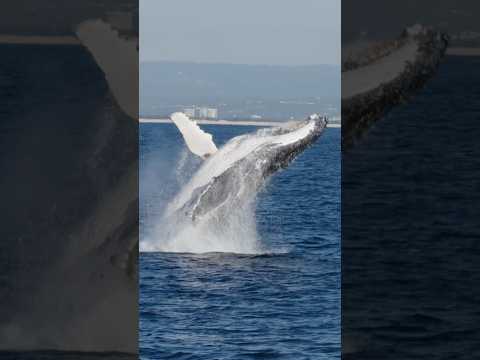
203	113
212	113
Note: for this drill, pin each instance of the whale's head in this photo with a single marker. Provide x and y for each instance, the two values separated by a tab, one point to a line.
289	141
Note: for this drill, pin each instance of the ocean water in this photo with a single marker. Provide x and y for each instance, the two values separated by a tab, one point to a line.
280	304
410	226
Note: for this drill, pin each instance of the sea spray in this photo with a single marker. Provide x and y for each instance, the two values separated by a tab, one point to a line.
215	210
230	227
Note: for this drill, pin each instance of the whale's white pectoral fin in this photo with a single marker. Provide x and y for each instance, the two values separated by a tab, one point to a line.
198	141
118	59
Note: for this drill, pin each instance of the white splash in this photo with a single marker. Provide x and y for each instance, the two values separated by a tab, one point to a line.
215	210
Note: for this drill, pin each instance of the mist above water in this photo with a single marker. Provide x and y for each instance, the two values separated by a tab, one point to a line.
229	228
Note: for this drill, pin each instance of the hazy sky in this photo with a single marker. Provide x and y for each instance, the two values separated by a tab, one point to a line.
288	32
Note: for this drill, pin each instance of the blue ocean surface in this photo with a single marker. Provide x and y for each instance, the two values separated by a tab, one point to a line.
279	304
410	225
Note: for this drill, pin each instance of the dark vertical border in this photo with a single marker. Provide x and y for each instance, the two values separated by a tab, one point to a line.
69	180
410	199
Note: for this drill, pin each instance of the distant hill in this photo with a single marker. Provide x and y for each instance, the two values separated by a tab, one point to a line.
163	83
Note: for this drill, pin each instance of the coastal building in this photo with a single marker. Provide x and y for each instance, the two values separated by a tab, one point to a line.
203	113
212	113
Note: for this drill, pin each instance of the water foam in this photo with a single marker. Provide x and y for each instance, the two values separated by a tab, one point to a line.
215	210
229	229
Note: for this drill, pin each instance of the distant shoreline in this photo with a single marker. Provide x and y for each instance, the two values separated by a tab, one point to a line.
227	122
38	40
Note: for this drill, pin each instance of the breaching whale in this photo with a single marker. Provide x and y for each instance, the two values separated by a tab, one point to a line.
232	175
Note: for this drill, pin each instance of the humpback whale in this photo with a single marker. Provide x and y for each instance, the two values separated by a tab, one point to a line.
232	175
214	211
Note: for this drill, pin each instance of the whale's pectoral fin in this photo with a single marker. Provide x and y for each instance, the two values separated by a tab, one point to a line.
198	141
118	59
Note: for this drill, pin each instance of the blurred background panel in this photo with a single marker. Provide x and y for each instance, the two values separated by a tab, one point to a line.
69	179
410	190
376	19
